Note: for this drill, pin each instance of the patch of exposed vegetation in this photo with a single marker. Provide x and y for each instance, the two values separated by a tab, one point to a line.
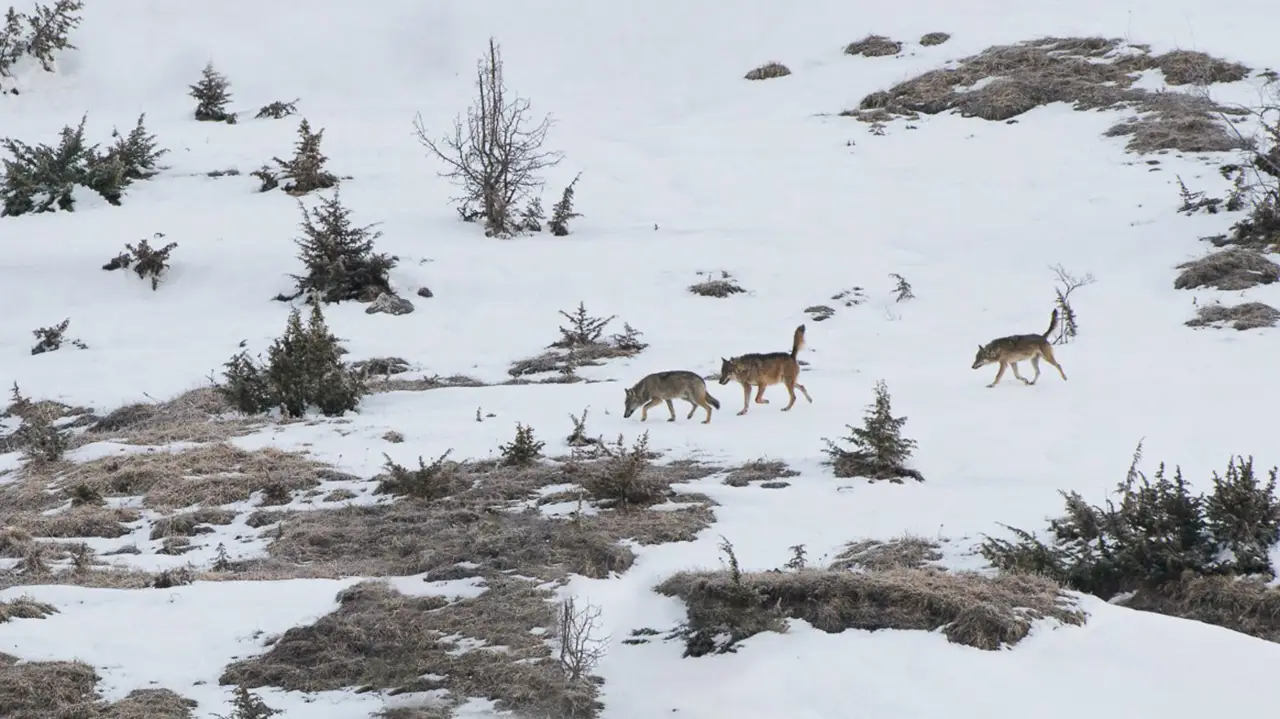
581	344
727	606
874	46
874	555
768	71
758	470
24	608
1005	81
1244	316
930	39
67	690
722	286
1232	269
200	415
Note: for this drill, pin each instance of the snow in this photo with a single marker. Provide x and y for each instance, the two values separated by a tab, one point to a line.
686	168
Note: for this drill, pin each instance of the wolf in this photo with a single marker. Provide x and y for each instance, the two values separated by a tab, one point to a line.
665	386
1011	350
764	369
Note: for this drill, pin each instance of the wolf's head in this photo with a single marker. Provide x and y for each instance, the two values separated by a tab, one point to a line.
986	355
634	400
728	370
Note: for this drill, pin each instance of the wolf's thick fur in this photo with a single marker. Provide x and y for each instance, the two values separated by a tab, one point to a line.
1011	350
662	387
764	369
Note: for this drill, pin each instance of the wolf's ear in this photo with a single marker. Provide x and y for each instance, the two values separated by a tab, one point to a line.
979	348
724	361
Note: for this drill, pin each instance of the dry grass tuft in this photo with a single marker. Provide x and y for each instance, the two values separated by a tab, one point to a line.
150	704
934	38
874	46
1231	269
189	524
48	690
1005	81
209	475
1245	316
76	522
24	608
722	287
487	647
873	555
421	384
970	609
200	415
1189	67
769	71
1245	605
758	470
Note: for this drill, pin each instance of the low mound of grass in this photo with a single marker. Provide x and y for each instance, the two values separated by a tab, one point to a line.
725	607
768	71
491	646
1232	269
1244	316
1089	73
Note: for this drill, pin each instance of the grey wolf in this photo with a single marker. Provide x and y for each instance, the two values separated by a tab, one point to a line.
764	369
1011	350
662	387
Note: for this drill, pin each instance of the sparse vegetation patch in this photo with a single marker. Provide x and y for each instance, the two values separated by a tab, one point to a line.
874	46
1232	269
930	39
768	71
146	261
722	286
581	344
1244	316
1004	81
727	606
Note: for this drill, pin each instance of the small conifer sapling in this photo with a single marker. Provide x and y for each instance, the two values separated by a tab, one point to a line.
339	257
212	93
305	170
879	449
562	211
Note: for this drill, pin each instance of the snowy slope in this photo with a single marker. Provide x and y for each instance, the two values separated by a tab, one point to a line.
685	168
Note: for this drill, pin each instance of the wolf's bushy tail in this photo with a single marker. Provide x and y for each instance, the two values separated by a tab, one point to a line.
1053	322
713	401
798	341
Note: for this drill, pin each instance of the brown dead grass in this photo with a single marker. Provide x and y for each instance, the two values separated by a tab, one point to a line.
200	415
77	522
970	609
24	608
47	690
720	288
873	555
1245	605
421	384
381	639
1232	269
1005	81
768	71
1244	316
930	39
66	690
208	475
874	46
758	470
150	704
189	524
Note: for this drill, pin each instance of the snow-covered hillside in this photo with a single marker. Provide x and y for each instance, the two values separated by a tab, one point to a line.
688	171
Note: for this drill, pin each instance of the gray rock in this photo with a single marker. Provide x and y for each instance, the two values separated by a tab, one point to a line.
389	304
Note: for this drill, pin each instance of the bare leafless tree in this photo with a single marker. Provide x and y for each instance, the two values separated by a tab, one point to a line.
580	647
1068	324
495	153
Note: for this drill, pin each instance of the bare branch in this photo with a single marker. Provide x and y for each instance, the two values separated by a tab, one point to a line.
580	649
495	152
